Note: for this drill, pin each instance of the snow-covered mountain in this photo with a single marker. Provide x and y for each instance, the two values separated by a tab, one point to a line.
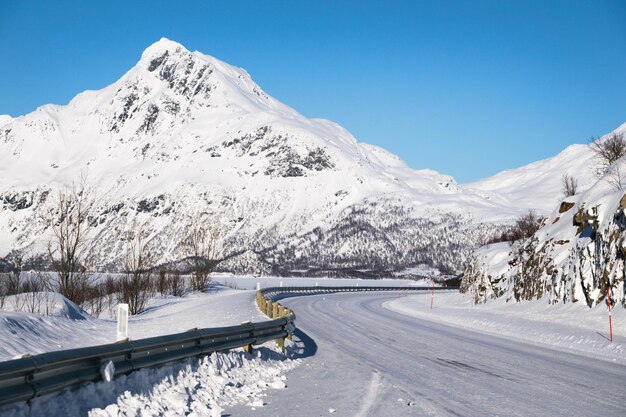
183	137
577	255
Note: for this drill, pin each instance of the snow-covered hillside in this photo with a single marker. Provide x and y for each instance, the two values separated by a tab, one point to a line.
183	137
538	186
579	253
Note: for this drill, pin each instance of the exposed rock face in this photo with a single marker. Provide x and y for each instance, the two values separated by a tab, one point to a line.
578	255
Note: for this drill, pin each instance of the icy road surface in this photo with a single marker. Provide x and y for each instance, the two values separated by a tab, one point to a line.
364	360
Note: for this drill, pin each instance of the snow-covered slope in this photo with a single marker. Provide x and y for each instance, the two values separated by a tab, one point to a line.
577	255
183	137
538	185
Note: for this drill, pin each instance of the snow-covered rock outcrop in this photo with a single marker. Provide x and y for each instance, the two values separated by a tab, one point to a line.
577	255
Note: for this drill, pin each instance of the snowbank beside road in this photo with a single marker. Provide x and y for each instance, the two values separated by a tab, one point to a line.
25	333
198	387
569	327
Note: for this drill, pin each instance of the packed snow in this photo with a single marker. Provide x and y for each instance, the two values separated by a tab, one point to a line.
569	327
364	358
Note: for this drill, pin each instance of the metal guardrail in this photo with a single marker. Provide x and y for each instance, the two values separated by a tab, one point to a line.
33	376
275	291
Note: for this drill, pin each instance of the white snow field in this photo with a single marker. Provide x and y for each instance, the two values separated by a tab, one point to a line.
68	328
249	282
195	387
363	359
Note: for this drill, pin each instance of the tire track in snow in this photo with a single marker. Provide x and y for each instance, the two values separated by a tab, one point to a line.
371	395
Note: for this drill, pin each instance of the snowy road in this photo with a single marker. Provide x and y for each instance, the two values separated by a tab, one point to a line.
368	361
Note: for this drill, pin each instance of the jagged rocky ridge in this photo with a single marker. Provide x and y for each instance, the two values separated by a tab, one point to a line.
183	137
578	254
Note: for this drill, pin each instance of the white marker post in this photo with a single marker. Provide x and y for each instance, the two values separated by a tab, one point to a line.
122	322
281	284
258	286
432	297
608	304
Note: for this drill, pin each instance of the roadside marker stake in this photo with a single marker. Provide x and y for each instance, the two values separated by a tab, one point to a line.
608	305
122	322
432	297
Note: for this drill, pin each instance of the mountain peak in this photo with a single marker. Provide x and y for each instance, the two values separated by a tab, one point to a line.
162	46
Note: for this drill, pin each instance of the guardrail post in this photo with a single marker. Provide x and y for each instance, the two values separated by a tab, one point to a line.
281	344
269	310
275	310
248	348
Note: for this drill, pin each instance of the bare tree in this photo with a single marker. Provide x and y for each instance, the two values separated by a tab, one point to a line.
608	151
13	283
176	283
3	288
569	185
69	223
162	281
136	288
203	255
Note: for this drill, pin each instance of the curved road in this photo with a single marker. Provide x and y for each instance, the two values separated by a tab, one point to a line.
363	360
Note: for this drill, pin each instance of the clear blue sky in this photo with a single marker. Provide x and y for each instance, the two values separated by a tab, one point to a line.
464	87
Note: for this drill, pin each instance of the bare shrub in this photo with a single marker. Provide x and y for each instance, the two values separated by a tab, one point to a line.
112	288
201	247
3	288
68	221
19	302
13	283
162	281
524	227
175	284
95	298
569	185
136	288
32	290
608	151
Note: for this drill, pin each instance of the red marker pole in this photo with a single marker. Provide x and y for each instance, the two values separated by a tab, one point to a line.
432	297
608	294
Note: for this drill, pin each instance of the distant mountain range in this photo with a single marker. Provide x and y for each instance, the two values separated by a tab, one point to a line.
184	137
